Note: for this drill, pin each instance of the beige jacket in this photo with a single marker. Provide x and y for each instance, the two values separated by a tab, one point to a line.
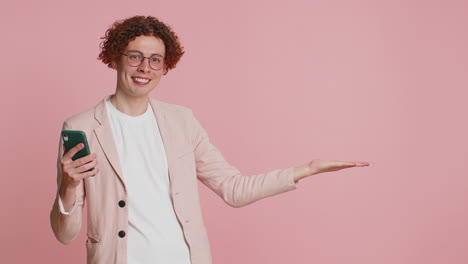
190	156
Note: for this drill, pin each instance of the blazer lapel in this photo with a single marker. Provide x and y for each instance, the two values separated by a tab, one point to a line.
161	115
105	137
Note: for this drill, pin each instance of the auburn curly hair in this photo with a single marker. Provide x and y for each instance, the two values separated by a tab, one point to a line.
122	32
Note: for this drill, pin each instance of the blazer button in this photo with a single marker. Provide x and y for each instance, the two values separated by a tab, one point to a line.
121	233
122	203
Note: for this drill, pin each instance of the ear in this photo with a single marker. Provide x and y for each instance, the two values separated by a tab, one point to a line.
113	65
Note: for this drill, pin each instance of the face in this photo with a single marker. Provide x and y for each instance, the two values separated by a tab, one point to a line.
139	81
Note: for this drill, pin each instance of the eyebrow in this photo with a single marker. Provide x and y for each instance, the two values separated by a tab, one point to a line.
142	53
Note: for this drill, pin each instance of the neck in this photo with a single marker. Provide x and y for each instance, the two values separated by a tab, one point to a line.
132	106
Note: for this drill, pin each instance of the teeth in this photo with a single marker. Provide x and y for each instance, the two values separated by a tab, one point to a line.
142	80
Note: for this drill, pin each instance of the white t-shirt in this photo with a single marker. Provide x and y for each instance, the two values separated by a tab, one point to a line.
154	233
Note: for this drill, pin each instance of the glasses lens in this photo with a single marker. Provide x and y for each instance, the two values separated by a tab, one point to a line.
134	59
156	62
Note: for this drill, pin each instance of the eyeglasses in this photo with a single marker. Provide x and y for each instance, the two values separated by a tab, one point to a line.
135	59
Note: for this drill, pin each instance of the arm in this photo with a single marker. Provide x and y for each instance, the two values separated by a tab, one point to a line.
225	180
238	190
66	227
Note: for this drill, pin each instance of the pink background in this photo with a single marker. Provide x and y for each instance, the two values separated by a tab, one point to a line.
276	84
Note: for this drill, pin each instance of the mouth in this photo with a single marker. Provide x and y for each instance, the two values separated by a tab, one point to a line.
141	80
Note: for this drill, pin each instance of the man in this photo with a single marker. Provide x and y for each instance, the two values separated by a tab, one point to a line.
142	197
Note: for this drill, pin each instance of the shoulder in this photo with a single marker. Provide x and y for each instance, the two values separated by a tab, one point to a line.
81	117
173	110
181	117
171	107
84	119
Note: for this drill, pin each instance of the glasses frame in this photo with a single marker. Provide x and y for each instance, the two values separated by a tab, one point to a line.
142	59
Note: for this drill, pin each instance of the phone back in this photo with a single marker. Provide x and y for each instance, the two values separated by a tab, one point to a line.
73	137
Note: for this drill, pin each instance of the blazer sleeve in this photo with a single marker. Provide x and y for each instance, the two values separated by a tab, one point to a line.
227	182
66	227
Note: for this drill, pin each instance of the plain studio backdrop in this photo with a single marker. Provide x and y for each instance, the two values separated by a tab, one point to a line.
275	84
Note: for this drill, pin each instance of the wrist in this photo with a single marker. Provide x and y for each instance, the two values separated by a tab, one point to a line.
66	189
67	195
302	171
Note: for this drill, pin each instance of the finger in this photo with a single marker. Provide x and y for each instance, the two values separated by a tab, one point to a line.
344	164
83	160
86	167
71	152
88	174
362	164
354	163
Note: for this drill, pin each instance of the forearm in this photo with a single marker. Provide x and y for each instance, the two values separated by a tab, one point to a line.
68	197
235	189
66	221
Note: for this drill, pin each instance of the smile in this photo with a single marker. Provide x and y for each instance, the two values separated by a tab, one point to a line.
141	80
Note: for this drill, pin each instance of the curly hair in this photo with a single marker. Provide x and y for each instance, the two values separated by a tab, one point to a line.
122	32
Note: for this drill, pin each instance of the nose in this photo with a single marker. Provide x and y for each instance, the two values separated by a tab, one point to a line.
144	66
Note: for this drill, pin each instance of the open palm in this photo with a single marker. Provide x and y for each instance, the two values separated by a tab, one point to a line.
319	166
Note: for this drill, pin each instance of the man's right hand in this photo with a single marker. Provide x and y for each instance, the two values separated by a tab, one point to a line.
73	171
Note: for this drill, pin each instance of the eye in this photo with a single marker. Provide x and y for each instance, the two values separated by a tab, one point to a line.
155	59
134	56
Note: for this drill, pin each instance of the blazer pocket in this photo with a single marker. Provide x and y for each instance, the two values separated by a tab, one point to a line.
93	248
92	240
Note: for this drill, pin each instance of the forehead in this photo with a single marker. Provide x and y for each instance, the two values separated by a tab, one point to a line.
148	45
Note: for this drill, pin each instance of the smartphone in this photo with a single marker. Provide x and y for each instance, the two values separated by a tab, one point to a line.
73	137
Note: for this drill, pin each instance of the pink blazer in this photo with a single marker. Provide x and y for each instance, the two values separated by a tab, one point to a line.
190	156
